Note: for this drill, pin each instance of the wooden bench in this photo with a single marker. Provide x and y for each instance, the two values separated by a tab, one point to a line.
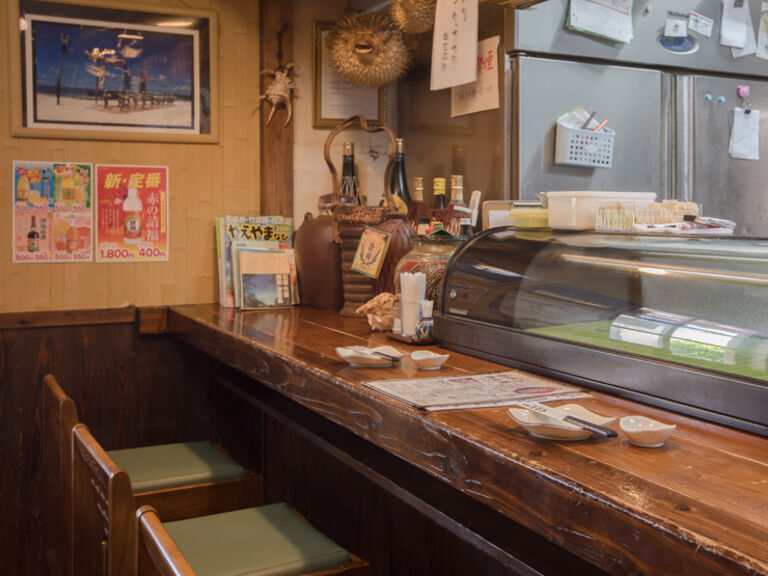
106	538
180	480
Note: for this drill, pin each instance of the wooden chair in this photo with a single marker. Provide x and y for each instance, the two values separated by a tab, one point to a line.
180	480
106	527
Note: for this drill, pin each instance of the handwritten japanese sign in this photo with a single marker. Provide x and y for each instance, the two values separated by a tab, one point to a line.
454	44
131	213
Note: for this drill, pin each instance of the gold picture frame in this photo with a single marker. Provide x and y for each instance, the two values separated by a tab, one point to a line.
335	100
96	71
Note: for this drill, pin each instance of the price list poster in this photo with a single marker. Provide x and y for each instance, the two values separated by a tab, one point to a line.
131	213
52	212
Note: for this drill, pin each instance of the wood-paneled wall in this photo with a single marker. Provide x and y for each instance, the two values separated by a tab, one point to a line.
206	180
129	389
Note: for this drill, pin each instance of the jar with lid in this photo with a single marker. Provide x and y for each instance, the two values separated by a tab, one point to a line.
430	255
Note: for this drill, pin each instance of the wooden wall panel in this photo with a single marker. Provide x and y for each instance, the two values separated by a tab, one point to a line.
129	389
206	180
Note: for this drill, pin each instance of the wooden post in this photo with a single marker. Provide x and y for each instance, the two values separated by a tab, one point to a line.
276	181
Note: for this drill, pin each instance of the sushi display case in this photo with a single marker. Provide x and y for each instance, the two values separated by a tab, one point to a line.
674	321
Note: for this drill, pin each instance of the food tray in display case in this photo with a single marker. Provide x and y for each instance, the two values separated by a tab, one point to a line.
679	322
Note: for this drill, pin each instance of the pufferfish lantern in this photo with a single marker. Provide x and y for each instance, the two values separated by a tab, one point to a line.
413	16
367	49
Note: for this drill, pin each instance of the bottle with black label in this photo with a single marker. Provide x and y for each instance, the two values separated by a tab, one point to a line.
350	185
398	182
33	237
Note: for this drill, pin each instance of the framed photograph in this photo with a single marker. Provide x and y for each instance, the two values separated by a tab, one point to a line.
334	99
123	72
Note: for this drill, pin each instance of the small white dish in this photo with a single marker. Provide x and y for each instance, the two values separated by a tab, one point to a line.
643	431
543	426
428	360
362	357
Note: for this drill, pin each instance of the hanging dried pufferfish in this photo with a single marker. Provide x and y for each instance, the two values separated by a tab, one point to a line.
413	16
367	49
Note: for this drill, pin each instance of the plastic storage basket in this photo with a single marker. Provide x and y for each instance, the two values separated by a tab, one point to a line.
584	147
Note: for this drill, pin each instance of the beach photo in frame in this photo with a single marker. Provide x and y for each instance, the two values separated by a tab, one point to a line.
124	72
334	99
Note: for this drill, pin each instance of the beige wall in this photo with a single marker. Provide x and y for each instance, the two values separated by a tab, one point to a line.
206	180
311	176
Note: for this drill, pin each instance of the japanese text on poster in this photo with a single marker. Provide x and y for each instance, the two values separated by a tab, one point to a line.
131	213
52	212
482	94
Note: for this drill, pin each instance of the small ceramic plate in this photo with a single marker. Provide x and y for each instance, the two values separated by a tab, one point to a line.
543	426
428	360
643	431
362	357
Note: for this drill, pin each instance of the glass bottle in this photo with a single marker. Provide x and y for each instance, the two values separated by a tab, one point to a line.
33	237
398	183
22	186
457	208
350	185
457	190
438	193
465	228
132	208
418	212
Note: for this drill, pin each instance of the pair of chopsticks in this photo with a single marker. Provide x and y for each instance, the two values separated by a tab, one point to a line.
377	353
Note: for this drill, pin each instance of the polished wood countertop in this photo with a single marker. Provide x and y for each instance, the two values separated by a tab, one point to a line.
697	506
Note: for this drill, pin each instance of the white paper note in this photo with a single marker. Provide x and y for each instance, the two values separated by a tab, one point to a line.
454	44
750	44
700	23
483	93
762	34
610	19
745	135
733	31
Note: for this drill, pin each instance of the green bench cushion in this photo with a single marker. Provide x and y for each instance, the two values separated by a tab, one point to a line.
269	540
169	465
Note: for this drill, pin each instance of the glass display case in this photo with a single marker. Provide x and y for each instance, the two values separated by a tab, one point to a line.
675	321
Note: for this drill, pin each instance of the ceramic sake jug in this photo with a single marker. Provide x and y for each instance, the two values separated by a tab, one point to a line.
318	263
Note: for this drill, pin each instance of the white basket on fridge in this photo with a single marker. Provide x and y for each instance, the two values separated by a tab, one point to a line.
578	147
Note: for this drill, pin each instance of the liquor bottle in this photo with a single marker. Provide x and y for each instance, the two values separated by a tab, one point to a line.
418	214
72	240
438	193
398	183
350	185
33	237
457	190
132	220
465	228
457	208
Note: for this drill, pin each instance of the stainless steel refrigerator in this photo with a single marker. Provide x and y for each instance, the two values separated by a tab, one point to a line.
671	105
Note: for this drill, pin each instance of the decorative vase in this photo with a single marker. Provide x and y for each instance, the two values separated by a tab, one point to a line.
318	263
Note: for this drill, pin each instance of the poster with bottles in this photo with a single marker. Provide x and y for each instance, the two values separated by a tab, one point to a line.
52	212
131	213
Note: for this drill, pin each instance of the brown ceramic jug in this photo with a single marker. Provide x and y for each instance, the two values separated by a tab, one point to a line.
318	263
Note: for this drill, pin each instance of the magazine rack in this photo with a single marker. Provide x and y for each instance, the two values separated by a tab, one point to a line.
349	220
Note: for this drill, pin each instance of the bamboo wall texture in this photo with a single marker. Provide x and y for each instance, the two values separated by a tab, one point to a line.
206	180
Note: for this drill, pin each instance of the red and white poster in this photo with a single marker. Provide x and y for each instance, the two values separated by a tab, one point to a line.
131	213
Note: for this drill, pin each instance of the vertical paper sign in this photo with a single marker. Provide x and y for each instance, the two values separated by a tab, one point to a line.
454	44
131	213
52	212
482	94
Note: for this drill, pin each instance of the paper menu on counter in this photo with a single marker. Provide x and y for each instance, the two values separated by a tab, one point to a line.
610	19
474	390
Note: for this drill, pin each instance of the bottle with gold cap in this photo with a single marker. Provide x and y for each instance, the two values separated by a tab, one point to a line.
438	193
418	211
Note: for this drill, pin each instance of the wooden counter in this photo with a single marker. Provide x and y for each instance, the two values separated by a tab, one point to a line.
697	506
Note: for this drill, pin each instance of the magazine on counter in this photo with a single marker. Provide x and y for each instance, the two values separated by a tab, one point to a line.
258	232
475	390
264	278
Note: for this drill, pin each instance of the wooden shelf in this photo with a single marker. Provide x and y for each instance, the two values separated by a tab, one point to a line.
512	3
